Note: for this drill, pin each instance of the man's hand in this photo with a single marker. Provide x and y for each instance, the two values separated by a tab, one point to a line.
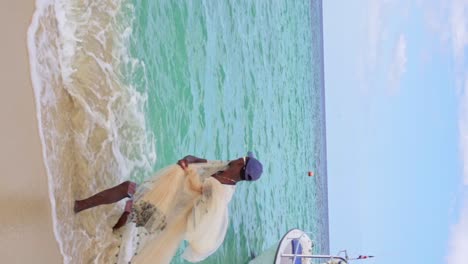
189	159
183	164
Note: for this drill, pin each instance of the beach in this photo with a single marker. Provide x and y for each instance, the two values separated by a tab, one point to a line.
26	230
124	88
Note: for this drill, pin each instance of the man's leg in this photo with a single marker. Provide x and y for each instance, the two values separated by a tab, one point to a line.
123	218
112	195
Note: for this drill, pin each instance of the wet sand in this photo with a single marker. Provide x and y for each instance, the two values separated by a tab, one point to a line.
26	233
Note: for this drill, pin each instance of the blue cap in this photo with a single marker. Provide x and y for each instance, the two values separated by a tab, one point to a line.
253	168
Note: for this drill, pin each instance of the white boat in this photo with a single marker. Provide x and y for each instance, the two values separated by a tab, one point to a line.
296	247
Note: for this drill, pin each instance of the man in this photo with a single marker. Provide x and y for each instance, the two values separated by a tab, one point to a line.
184	201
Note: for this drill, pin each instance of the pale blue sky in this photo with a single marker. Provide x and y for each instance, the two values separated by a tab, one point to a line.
395	78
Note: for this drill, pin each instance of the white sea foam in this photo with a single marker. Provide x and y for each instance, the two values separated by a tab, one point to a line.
38	90
90	116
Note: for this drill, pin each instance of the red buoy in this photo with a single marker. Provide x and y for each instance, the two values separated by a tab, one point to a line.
311	173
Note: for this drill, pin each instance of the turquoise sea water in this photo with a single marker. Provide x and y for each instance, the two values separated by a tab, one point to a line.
209	78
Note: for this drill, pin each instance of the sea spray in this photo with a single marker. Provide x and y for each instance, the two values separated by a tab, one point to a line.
91	118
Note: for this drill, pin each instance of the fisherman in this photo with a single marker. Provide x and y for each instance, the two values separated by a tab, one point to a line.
184	201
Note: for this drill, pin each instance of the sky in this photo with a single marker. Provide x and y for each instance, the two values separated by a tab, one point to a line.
396	82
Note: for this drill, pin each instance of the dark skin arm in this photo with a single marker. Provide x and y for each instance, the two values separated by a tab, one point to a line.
189	159
229	176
